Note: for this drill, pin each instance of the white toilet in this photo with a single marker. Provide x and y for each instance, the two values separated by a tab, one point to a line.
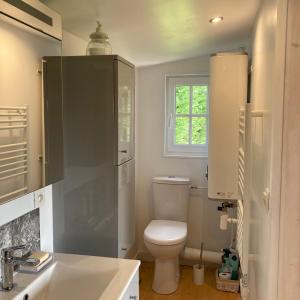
165	236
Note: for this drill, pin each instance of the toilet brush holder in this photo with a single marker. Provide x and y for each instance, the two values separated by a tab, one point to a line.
198	273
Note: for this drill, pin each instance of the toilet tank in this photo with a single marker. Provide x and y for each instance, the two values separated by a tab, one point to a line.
171	198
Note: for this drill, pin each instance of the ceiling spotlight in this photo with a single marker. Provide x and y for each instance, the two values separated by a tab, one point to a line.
216	19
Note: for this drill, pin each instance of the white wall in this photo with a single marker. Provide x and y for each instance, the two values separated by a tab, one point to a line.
150	103
289	251
267	96
73	45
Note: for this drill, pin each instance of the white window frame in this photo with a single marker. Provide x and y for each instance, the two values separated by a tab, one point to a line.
170	148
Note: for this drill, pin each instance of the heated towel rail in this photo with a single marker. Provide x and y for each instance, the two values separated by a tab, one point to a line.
241	181
13	151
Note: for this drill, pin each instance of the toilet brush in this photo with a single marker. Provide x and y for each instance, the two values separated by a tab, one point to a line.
198	269
201	256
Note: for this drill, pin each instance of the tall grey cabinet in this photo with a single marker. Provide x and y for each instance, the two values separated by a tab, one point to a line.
93	206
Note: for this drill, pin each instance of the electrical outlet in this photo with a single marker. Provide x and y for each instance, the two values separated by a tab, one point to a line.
39	198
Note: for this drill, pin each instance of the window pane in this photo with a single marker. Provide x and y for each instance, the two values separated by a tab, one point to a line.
182	131
200	99
182	99
199	130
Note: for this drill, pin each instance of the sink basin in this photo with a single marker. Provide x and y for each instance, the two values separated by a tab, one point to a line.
74	277
63	281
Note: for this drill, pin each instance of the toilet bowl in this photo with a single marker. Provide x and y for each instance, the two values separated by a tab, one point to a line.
165	236
165	240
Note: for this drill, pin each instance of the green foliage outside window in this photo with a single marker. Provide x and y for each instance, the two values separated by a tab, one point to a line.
199	99
182	131
182	100
196	96
199	131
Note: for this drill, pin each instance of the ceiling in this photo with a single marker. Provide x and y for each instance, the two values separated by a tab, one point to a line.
154	31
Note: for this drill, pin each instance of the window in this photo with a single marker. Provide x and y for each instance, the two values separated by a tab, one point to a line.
186	116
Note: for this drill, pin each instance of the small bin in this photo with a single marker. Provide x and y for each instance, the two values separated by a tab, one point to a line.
227	285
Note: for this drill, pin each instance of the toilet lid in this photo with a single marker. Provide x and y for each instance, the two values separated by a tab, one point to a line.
162	232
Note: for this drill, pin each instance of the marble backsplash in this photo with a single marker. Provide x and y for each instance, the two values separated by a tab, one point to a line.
23	230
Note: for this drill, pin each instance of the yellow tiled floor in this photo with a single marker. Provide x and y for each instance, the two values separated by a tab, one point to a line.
186	290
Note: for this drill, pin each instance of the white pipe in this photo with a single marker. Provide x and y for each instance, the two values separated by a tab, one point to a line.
224	220
198	187
208	256
232	220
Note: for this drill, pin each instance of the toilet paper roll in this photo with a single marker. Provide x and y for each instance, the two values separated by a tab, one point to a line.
223	221
225	275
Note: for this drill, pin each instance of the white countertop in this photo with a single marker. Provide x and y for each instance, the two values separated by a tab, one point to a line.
102	278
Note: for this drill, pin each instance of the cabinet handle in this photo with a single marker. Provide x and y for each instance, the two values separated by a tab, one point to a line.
133	297
123	151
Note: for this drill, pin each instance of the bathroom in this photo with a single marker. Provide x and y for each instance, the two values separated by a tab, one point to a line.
63	200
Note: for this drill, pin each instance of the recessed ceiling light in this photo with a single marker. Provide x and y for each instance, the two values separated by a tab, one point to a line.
216	19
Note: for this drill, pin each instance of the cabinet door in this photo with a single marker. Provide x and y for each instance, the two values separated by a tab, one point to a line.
53	164
132	292
125	112
126	209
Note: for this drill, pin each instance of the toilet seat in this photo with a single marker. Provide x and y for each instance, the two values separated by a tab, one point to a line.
164	232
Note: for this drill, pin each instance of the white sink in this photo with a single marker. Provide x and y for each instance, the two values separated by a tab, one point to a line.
75	277
65	281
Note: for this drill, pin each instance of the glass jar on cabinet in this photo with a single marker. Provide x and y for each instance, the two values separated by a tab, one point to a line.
99	44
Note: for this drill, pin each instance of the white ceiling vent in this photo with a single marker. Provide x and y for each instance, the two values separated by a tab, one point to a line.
34	14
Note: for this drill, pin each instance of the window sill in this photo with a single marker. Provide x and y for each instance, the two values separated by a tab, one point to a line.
185	155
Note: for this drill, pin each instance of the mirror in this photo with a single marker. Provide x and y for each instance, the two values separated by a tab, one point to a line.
26	125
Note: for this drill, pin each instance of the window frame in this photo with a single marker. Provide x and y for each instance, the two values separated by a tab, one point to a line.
188	150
